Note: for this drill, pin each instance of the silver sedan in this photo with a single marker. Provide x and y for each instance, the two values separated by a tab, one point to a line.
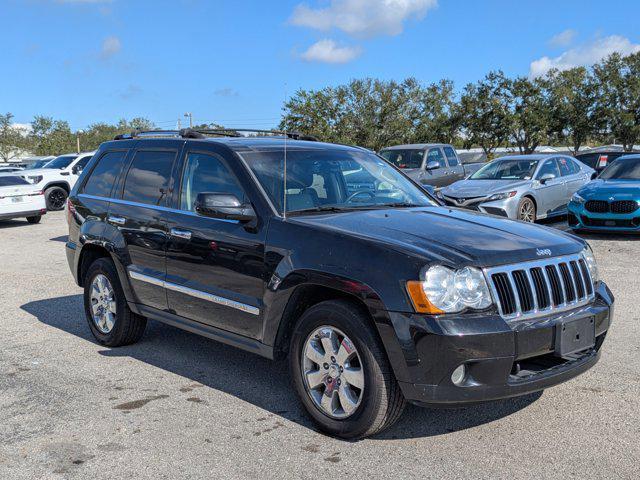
522	187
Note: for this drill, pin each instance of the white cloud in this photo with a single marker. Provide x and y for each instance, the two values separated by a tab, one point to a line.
563	39
328	51
110	46
363	18
584	55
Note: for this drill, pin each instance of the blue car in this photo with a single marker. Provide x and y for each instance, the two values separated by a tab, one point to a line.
612	201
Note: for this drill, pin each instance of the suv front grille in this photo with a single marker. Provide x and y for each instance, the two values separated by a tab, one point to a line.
538	288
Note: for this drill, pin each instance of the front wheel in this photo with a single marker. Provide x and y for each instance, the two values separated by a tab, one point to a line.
55	198
527	210
341	372
110	319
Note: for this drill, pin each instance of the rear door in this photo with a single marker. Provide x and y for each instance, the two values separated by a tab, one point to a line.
215	267
573	177
455	167
437	177
139	212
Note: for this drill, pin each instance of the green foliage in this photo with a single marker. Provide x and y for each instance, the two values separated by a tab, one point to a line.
11	140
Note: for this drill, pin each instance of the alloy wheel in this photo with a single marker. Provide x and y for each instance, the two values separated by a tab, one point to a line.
57	199
527	212
103	303
332	372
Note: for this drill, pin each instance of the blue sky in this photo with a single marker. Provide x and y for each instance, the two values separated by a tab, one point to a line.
233	62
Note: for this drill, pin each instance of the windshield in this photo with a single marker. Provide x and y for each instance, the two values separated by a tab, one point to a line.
37	164
332	179
410	158
10	181
622	169
61	162
506	170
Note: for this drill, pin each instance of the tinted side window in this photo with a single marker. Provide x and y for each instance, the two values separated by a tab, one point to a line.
104	174
83	161
451	156
435	155
148	177
206	173
549	166
564	166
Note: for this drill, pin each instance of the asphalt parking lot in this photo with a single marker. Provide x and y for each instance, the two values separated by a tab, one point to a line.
180	406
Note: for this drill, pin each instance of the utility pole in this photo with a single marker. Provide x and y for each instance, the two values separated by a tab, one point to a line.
179	124
78	139
190	115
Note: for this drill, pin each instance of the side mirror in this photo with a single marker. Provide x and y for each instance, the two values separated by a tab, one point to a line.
432	165
594	175
225	206
546	177
77	170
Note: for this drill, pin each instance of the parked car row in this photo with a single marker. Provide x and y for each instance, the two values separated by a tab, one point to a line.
54	177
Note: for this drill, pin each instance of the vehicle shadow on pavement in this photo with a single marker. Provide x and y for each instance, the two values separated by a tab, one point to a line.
259	381
14	223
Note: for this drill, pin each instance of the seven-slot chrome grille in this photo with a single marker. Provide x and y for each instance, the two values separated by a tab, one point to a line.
533	289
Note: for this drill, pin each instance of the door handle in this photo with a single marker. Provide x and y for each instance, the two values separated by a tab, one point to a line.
186	234
117	220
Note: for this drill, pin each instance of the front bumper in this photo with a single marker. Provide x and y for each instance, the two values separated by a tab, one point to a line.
501	359
507	207
581	219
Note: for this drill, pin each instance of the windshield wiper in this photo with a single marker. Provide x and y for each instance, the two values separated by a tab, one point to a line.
326	208
399	205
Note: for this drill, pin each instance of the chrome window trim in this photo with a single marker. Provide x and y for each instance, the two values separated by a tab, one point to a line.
153	207
526	266
195	293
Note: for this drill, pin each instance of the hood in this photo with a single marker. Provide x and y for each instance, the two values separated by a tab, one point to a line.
450	235
482	188
624	189
38	171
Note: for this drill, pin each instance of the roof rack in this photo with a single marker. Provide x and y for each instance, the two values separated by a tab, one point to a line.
220	132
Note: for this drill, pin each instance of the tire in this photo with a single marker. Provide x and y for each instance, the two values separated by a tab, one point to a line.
526	210
55	197
34	219
380	402
125	326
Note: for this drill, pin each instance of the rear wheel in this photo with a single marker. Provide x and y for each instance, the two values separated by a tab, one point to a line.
55	198
110	319
527	210
34	219
341	372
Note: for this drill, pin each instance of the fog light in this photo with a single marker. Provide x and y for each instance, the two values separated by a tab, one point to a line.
457	377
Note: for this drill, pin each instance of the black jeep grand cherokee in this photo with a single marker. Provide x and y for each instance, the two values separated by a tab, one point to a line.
375	293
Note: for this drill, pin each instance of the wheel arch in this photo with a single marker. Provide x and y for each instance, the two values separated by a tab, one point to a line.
58	183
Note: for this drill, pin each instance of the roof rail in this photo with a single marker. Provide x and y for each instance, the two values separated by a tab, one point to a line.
202	133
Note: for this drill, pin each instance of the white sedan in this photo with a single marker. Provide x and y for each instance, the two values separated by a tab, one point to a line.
20	199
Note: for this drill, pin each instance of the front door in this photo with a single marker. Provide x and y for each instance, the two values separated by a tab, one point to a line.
215	267
551	193
138	213
436	177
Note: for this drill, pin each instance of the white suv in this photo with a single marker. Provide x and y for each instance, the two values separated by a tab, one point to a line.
58	177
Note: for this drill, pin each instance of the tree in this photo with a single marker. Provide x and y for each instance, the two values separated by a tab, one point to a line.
572	99
51	137
618	98
486	119
529	117
11	139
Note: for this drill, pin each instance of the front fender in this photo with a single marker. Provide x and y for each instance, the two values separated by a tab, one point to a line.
280	302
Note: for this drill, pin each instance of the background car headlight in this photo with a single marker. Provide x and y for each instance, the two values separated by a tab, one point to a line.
577	199
34	178
587	253
501	196
443	290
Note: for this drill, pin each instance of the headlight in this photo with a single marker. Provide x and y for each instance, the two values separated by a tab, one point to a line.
589	258
577	199
34	178
443	290
501	196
